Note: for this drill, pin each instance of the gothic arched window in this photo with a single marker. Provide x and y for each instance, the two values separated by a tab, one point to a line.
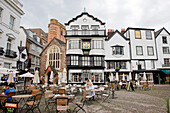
54	57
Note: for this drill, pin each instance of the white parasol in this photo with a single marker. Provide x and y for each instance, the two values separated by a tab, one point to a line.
64	76
36	77
123	78
111	77
130	76
136	76
51	77
28	75
144	76
117	76
10	78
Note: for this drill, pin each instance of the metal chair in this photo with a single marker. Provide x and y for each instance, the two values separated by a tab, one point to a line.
49	99
80	104
3	99
31	105
106	95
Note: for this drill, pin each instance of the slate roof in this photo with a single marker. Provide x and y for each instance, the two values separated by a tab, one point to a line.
159	31
59	41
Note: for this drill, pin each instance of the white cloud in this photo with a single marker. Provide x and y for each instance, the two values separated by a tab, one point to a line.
116	13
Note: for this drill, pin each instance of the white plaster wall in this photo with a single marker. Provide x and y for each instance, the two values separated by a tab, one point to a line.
144	43
160	44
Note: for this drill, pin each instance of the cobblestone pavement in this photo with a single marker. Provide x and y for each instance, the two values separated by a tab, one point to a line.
139	101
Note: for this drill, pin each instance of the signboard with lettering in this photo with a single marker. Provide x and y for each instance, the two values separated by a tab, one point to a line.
11	107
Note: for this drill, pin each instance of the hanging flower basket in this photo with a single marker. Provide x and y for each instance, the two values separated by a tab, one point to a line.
117	69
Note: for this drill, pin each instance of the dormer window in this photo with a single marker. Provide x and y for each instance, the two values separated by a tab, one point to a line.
95	29
118	50
85	29
75	29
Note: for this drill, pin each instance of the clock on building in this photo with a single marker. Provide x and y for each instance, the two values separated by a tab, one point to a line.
86	45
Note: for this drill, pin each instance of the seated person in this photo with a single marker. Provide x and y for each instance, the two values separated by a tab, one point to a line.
9	89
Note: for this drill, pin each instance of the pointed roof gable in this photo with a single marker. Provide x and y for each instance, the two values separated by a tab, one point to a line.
59	41
159	31
115	33
85	13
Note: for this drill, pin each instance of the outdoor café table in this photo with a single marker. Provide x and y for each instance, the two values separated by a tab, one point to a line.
21	97
69	96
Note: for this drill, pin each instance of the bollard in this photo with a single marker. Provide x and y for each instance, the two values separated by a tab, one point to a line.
168	106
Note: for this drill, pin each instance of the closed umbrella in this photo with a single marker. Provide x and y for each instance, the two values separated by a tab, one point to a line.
51	76
64	75
36	77
144	76
130	76
136	76
117	76
10	78
123	78
111	77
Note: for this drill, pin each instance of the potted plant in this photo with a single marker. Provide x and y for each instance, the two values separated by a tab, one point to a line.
117	69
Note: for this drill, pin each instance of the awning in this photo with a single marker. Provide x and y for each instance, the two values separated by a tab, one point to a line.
11	35
166	71
75	71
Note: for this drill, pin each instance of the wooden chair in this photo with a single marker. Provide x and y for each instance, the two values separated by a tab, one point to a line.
106	95
35	91
34	104
61	91
80	105
10	94
3	99
62	104
49	99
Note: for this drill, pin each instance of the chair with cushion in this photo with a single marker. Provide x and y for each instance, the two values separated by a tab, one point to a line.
10	94
80	104
62	104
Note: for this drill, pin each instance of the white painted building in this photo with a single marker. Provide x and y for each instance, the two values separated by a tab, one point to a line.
162	37
85	36
10	16
143	52
117	55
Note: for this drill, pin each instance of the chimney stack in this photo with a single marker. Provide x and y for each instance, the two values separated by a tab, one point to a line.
109	33
122	30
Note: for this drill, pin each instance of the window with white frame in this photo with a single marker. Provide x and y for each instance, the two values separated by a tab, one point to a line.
137	34
164	40
74	44
150	51
54	57
7	65
152	64
85	29
148	35
139	50
97	44
118	50
11	23
165	50
76	77
74	60
37	61
32	59
9	44
167	61
95	29
97	61
85	61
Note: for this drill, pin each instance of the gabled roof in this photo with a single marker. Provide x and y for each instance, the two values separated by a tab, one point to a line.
21	49
115	33
59	41
137	29
159	31
53	69
84	13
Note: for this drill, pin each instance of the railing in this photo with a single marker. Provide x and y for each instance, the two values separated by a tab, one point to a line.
86	32
166	65
10	54
1	51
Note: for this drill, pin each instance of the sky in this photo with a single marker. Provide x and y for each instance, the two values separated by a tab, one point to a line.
116	14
